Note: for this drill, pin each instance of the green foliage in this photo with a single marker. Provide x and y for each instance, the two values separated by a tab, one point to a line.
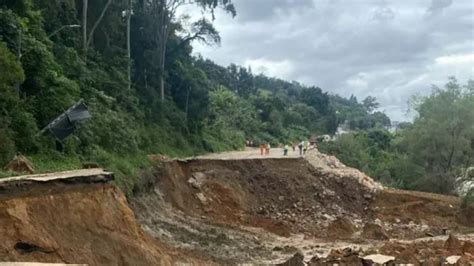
468	200
206	108
425	155
7	148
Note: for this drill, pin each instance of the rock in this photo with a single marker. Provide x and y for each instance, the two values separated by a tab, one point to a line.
453	244
452	259
375	232
367	196
277	248
378	258
194	183
20	164
296	260
201	198
281	198
261	211
340	228
197	179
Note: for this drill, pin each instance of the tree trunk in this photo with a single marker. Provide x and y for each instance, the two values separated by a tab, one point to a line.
87	38
187	109
162	47
84	27
129	58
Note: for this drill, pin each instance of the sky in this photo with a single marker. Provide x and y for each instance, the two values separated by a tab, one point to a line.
390	49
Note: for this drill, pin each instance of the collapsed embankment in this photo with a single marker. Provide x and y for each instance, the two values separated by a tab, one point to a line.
280	195
203	204
73	222
230	211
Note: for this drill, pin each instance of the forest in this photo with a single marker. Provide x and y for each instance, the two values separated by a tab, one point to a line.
133	64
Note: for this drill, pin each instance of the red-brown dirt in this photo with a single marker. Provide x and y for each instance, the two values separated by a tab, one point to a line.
269	193
75	223
290	195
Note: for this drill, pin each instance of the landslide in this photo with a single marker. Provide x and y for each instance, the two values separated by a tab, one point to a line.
73	223
316	196
280	195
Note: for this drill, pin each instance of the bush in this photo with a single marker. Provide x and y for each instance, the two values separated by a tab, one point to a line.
468	200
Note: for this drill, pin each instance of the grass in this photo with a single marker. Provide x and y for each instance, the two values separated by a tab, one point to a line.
126	167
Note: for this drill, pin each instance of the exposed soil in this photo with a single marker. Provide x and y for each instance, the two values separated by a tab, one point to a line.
262	193
204	211
269	208
75	223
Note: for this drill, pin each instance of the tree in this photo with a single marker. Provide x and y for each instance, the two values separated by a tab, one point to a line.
440	137
370	104
87	37
164	13
128	15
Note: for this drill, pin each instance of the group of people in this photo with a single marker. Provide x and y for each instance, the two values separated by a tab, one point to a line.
303	147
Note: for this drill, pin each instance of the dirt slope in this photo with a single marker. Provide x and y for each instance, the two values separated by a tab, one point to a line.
74	223
280	195
229	209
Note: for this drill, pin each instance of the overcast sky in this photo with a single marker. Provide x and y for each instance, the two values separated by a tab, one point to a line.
387	49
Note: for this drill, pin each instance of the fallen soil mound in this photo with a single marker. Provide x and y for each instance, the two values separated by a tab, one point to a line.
280	195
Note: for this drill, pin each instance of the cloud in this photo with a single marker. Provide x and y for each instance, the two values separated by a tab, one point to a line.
388	49
269	67
383	14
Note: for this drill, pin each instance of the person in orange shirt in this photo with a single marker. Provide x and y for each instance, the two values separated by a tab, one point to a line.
263	149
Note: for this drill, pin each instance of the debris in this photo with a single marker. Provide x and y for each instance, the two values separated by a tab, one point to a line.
378	258
341	228
452	259
296	260
20	164
201	198
375	232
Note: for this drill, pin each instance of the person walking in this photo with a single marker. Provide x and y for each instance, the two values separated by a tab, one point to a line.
300	147
262	149
285	150
267	150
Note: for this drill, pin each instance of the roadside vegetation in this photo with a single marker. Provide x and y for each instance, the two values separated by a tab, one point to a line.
428	154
